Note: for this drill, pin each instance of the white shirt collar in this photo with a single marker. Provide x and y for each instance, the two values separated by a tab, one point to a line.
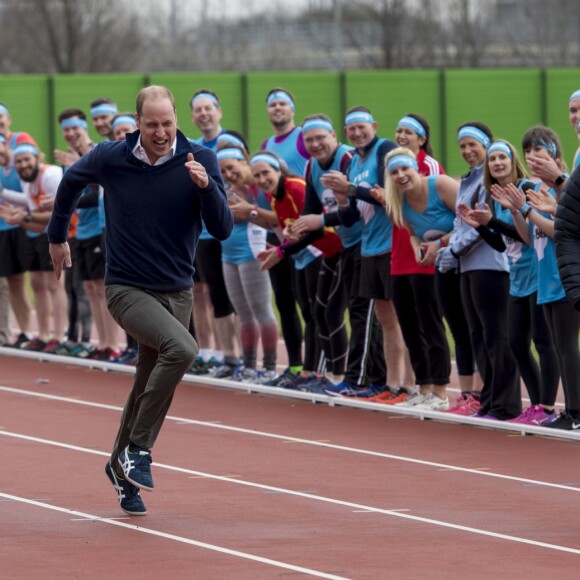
141	154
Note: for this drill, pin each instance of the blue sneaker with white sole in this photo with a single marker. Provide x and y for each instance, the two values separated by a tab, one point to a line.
128	495
136	465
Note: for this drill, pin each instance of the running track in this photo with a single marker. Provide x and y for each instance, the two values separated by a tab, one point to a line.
251	486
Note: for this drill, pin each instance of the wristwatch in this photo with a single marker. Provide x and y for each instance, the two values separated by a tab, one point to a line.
28	217
254	212
351	190
561	179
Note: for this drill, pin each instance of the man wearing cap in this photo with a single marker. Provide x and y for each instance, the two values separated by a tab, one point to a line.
39	181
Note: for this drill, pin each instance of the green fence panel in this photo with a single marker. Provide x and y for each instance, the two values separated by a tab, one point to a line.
314	92
80	91
560	84
27	99
391	95
228	86
508	101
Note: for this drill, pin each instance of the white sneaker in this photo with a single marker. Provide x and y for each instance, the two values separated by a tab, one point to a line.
264	376
434	403
413	400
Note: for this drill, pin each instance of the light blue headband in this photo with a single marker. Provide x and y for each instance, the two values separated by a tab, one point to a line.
500	146
317	124
549	145
227	138
124	120
575	95
209	96
230	153
25	148
2	139
475	133
414	125
74	122
4	110
265	158
358	117
281	96
401	161
104	109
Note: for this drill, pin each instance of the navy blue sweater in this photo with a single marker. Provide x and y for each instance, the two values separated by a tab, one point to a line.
153	213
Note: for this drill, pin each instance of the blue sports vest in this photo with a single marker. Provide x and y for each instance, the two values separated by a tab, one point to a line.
288	150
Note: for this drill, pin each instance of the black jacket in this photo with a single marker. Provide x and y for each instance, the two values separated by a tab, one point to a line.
567	237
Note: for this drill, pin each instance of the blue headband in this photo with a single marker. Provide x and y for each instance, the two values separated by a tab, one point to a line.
401	161
2	139
414	125
575	95
227	138
475	133
281	96
500	146
317	124
358	117
549	145
74	122
209	96
4	110
230	153
104	109
266	158
25	148
124	120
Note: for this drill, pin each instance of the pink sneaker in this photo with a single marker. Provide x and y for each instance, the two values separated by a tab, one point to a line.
466	405
532	415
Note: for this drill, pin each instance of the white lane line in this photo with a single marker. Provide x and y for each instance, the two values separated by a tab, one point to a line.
286	439
320	498
142	530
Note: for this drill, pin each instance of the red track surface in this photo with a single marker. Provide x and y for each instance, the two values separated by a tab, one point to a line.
251	486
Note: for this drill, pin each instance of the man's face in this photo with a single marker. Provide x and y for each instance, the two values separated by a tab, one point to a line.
320	144
27	166
102	123
158	126
76	137
4	154
360	134
5	122
121	130
206	115
280	113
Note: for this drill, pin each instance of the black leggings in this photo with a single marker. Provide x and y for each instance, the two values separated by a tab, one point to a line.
564	324
209	263
527	322
448	288
485	296
422	327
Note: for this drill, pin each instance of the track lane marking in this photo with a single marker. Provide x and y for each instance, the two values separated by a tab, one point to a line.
287	439
175	538
342	503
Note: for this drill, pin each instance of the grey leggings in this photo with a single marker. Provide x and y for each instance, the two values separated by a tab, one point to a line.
159	322
250	292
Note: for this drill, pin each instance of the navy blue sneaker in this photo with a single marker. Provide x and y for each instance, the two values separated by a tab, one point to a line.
372	391
284	380
128	495
342	388
136	465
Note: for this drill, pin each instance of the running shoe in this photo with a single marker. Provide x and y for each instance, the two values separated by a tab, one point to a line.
265	377
465	405
563	421
35	345
223	372
136	465
341	388
248	375
127	357
388	398
434	403
413	400
283	380
81	350
532	415
51	345
372	391
128	495
21	341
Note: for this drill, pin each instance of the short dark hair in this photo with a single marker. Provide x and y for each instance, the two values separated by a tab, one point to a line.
102	101
70	114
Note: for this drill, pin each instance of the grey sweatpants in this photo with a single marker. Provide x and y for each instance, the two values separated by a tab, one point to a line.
159	322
